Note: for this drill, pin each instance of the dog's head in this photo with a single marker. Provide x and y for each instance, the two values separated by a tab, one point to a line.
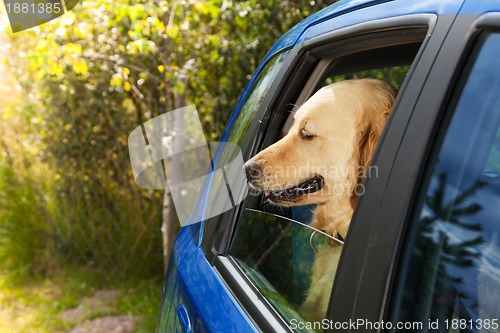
327	151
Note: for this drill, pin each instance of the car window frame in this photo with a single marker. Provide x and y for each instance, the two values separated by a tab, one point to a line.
226	266
453	109
308	56
473	27
364	289
216	228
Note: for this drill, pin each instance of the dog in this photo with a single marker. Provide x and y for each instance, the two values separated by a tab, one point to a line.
323	160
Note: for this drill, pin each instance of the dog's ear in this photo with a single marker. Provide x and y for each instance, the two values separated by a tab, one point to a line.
369	133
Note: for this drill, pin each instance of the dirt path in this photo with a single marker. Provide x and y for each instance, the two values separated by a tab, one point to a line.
99	306
109	324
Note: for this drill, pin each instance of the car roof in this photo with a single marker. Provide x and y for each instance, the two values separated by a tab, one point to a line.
340	7
403	7
306	29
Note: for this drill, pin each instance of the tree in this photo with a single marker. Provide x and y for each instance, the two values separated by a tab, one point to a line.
103	69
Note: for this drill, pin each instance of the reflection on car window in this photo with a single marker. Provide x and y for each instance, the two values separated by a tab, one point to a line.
254	100
277	254
245	117
493	162
453	275
240	130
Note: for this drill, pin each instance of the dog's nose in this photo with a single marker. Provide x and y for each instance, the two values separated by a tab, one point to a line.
252	170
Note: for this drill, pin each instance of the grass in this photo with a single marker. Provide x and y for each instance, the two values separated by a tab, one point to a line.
142	300
52	256
36	305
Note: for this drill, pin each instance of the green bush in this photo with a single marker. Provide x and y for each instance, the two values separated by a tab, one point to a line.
23	231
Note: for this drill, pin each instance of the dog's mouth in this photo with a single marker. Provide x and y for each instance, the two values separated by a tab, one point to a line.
309	186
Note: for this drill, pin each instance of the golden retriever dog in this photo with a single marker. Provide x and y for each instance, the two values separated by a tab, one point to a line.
323	160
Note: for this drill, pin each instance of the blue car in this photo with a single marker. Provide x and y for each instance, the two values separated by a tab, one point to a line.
423	249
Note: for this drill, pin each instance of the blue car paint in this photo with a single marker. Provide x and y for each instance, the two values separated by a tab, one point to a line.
471	7
389	10
191	280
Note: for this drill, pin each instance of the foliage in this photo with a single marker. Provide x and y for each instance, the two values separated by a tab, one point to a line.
21	235
392	75
88	79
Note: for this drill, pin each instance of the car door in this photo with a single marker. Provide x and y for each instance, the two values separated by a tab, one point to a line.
262	253
195	299
431	263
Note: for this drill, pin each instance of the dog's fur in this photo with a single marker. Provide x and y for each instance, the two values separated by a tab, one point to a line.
331	141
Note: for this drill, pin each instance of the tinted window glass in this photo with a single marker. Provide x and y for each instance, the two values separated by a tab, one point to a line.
453	274
239	130
255	98
239	133
277	254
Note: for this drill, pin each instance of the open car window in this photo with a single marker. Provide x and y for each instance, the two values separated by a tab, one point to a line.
243	132
274	246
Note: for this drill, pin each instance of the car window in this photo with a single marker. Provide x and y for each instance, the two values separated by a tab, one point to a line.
255	98
452	275
277	254
240	135
274	246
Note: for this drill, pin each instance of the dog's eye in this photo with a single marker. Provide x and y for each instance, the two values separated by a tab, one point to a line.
306	136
